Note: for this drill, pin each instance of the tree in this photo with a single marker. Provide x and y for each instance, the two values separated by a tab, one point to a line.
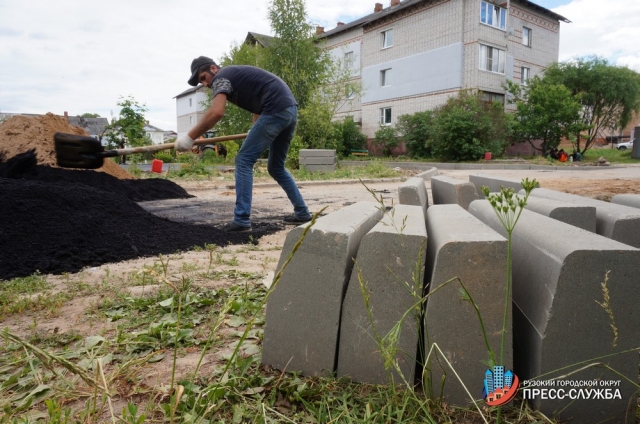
129	124
609	95
546	112
90	115
318	84
294	55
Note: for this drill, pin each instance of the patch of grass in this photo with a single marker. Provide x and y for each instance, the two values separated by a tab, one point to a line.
612	155
370	169
28	294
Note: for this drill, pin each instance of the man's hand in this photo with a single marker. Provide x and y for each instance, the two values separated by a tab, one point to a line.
183	143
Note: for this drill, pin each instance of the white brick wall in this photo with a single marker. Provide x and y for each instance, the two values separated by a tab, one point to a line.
431	26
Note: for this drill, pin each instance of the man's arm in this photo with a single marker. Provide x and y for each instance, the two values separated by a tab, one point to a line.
211	116
255	117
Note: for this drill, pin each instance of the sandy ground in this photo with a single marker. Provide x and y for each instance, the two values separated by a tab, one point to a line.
599	183
213	205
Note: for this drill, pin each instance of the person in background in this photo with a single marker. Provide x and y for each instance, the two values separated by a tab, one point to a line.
123	160
563	156
577	157
275	114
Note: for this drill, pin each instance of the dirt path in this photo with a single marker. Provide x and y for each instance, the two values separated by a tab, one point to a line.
599	183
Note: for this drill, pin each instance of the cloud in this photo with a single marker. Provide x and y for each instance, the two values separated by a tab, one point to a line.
610	30
9	32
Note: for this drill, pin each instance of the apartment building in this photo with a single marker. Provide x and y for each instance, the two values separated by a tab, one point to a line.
189	109
414	54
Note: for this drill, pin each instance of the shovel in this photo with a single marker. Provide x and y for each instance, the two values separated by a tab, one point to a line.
80	151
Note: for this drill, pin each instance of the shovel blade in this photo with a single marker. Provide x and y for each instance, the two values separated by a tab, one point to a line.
78	151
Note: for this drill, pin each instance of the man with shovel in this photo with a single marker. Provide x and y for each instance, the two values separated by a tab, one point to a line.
275	114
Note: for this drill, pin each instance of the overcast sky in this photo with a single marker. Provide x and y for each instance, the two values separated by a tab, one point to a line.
80	56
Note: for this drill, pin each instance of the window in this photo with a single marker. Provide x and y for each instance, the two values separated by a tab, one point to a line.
492	59
525	74
349	59
190	102
385	116
387	38
492	97
526	36
493	15
385	77
191	120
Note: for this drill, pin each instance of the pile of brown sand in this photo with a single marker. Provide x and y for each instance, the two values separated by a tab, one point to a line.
20	134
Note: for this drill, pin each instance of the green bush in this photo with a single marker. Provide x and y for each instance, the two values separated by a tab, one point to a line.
293	157
416	130
134	170
191	166
387	139
186	157
466	127
164	156
210	156
315	128
232	150
349	136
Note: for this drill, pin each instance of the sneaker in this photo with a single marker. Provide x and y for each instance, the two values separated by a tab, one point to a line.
292	219
232	227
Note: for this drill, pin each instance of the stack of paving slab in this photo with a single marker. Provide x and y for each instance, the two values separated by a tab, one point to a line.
375	296
318	159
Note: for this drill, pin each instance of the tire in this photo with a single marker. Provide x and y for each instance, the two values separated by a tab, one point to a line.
622	148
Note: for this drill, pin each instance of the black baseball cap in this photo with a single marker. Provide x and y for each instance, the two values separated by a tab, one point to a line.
195	65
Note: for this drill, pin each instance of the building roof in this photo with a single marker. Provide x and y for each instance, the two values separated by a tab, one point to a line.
94	126
190	90
254	38
388	11
149	127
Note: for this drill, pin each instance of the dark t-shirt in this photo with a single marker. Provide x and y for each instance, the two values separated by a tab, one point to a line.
253	89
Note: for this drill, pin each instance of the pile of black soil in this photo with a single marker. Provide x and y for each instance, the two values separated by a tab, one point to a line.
64	225
24	166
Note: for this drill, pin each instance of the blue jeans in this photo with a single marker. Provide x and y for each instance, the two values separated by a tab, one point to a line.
274	132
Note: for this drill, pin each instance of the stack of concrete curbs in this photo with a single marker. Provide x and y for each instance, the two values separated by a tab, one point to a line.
303	312
414	192
579	215
575	297
451	191
494	184
631	200
389	274
617	222
462	246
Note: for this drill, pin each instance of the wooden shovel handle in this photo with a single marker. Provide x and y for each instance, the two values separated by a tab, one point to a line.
158	147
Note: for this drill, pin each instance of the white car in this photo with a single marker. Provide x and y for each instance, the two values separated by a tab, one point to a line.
625	146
